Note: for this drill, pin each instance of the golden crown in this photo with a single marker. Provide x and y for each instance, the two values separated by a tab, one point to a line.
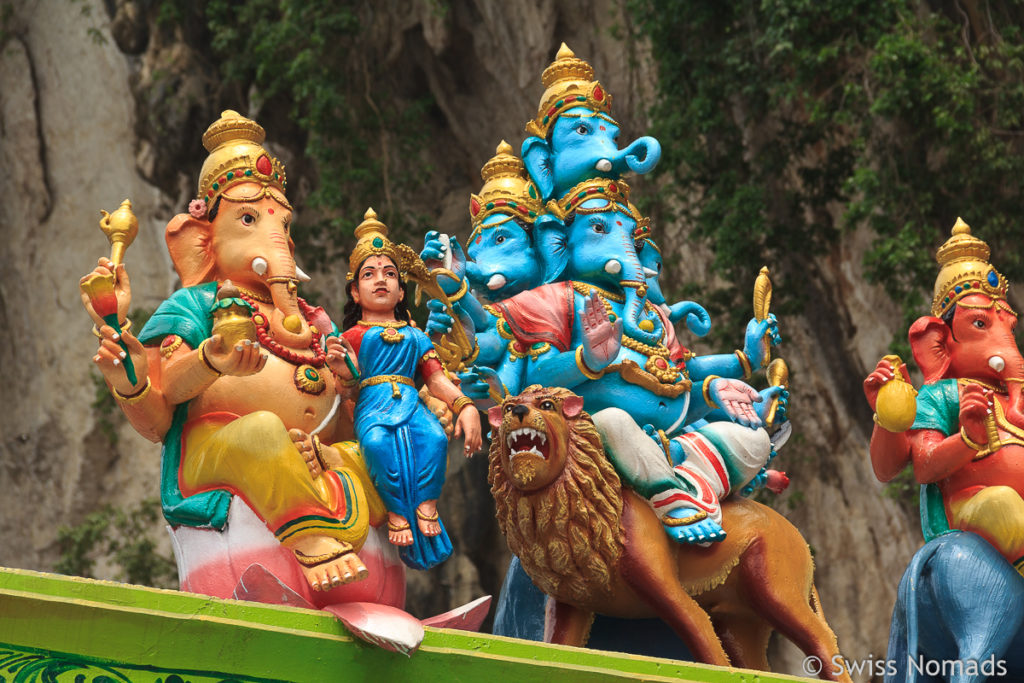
569	82
507	188
964	269
613	191
235	144
372	241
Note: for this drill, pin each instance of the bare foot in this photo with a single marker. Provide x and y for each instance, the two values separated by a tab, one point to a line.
426	518
327	562
318	456
399	532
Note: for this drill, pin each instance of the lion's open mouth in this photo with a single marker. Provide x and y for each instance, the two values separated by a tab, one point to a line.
527	440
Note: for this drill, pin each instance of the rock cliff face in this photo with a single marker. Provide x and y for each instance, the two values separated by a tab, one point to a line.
98	103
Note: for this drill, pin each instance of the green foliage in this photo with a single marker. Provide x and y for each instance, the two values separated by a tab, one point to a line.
124	538
904	489
319	66
784	121
104	407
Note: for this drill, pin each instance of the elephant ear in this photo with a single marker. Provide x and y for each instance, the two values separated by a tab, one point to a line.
189	241
930	340
553	244
537	157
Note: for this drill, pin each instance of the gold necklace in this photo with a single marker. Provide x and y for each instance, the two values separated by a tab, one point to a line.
256	296
383	323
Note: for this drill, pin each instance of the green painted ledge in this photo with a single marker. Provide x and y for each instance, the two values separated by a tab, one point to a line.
59	628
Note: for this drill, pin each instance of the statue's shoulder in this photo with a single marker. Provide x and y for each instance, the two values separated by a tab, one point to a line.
541	314
938	407
185	313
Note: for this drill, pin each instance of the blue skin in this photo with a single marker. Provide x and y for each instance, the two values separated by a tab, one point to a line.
576	143
697	319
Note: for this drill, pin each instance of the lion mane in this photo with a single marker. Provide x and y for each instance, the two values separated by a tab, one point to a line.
567	535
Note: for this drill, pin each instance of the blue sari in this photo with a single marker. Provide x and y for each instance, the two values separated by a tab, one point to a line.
404	445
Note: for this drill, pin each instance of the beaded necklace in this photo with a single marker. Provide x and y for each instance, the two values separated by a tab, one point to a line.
319	358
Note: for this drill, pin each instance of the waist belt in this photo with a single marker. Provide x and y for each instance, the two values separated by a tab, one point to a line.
393	380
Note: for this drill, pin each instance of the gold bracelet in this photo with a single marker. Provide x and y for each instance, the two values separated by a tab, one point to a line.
126	327
349	383
206	361
582	365
460	403
744	363
707	390
457	296
970	444
133	398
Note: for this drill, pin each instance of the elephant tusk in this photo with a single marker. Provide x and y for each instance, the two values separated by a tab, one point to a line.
497	281
613	267
997	363
603	165
301	275
259	265
650	272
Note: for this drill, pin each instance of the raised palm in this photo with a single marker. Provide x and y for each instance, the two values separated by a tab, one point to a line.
602	338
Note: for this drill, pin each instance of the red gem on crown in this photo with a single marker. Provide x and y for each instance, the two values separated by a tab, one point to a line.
263	165
474	206
598	93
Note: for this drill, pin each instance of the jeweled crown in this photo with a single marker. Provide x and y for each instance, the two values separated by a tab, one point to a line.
600	188
568	82
964	269
507	189
235	144
372	241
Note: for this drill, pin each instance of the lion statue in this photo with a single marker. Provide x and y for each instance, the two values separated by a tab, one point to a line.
594	546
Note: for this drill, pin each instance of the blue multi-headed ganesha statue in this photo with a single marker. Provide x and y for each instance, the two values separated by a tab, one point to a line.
568	294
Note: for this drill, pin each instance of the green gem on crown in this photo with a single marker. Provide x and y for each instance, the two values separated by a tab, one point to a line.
378	242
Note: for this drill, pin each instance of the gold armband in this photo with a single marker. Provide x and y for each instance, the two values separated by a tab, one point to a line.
460	403
133	398
744	363
970	444
707	390
206	361
582	365
126	327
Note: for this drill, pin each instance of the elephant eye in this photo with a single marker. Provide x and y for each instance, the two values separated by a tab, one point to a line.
582	129
980	324
600	229
499	239
248	219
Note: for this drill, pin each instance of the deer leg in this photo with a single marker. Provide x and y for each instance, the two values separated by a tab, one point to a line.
565	624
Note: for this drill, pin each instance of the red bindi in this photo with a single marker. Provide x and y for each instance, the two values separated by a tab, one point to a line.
601	127
618	222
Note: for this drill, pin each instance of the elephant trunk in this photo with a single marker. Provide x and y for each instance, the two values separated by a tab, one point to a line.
697	319
287	324
634	284
639	157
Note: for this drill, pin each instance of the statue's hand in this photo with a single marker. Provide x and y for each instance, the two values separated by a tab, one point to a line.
337	348
439	322
737	399
122	290
479	381
767	395
975	406
246	358
110	357
755	345
467	424
602	338
435	253
882	375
